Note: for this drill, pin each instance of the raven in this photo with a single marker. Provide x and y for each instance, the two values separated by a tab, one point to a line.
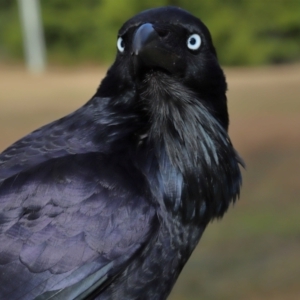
109	201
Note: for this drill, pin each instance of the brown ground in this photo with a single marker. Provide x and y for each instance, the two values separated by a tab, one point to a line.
254	252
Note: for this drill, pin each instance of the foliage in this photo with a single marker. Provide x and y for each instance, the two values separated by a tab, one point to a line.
244	32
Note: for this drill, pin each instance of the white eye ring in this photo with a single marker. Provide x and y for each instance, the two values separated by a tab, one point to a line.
121	44
194	41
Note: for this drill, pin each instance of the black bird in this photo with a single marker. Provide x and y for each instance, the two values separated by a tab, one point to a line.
110	201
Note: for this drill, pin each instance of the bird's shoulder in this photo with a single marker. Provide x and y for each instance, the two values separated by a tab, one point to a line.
94	128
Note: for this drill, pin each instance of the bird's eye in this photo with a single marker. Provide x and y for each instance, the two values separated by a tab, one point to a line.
121	44
194	41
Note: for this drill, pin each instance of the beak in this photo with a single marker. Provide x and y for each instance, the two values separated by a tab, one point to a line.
151	50
143	38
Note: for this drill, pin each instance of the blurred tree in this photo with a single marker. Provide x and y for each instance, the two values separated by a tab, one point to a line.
244	32
11	45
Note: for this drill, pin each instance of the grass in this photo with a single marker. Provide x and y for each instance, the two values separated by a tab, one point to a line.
253	253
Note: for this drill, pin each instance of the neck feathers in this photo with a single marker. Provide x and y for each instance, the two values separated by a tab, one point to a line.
198	167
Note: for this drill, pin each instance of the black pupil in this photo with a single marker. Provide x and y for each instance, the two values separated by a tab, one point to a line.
122	44
192	41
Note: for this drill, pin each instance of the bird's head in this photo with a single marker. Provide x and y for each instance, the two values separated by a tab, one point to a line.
168	43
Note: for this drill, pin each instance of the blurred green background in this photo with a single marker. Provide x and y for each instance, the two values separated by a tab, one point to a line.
253	253
245	32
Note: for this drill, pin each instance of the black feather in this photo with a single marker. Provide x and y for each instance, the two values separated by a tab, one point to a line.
110	201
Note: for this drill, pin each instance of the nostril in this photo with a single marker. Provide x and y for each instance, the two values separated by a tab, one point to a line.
161	32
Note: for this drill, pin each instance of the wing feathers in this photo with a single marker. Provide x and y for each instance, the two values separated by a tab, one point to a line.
60	225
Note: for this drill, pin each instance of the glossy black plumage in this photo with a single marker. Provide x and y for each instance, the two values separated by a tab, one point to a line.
110	201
